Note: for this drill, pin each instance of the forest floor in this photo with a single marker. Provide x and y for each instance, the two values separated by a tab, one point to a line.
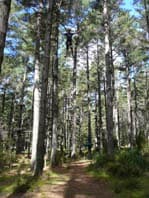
69	181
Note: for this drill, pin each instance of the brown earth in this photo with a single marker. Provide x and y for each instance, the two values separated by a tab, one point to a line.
73	182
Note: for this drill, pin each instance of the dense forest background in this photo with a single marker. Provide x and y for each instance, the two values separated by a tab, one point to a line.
55	105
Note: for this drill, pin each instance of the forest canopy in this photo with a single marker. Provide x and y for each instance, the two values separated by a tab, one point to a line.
74	78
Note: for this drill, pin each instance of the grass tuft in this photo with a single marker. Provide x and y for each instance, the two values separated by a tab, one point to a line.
126	171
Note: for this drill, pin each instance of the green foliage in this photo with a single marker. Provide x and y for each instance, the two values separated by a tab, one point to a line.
2	159
101	160
59	158
24	183
15	179
126	171
140	140
128	163
125	163
16	183
7	157
129	184
131	187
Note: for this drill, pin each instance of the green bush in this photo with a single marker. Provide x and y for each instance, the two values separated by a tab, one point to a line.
124	163
129	184
115	168
130	163
7	157
140	140
2	159
101	160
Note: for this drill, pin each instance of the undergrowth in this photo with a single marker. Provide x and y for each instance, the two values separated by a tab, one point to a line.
127	171
19	179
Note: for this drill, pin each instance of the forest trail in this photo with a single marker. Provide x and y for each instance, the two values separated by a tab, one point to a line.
73	182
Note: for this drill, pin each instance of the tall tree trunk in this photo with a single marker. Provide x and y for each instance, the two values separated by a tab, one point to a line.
36	92
129	101
73	150
11	114
4	15
135	127
104	132
146	6
99	109
116	117
41	146
68	126
65	127
49	115
109	79
147	106
20	139
89	142
55	100
79	130
96	124
3	101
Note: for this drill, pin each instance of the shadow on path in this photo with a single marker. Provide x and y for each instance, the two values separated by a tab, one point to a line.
22	189
81	185
71	182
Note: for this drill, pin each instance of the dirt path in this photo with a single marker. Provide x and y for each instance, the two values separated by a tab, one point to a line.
73	182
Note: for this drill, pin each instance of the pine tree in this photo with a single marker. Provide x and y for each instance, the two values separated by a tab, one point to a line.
55	100
4	15
38	163
109	78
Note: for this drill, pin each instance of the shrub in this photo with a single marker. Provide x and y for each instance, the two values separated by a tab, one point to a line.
129	184
131	163
125	163
140	140
115	168
101	160
7	157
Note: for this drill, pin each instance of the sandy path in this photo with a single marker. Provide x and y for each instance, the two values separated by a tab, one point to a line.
73	182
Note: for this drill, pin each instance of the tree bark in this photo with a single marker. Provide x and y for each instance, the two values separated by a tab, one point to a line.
147	106
36	91
129	101
99	109
11	115
96	124
55	100
116	118
135	127
41	143
20	140
74	131
146	6
4	15
89	142
109	80
3	101
39	129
